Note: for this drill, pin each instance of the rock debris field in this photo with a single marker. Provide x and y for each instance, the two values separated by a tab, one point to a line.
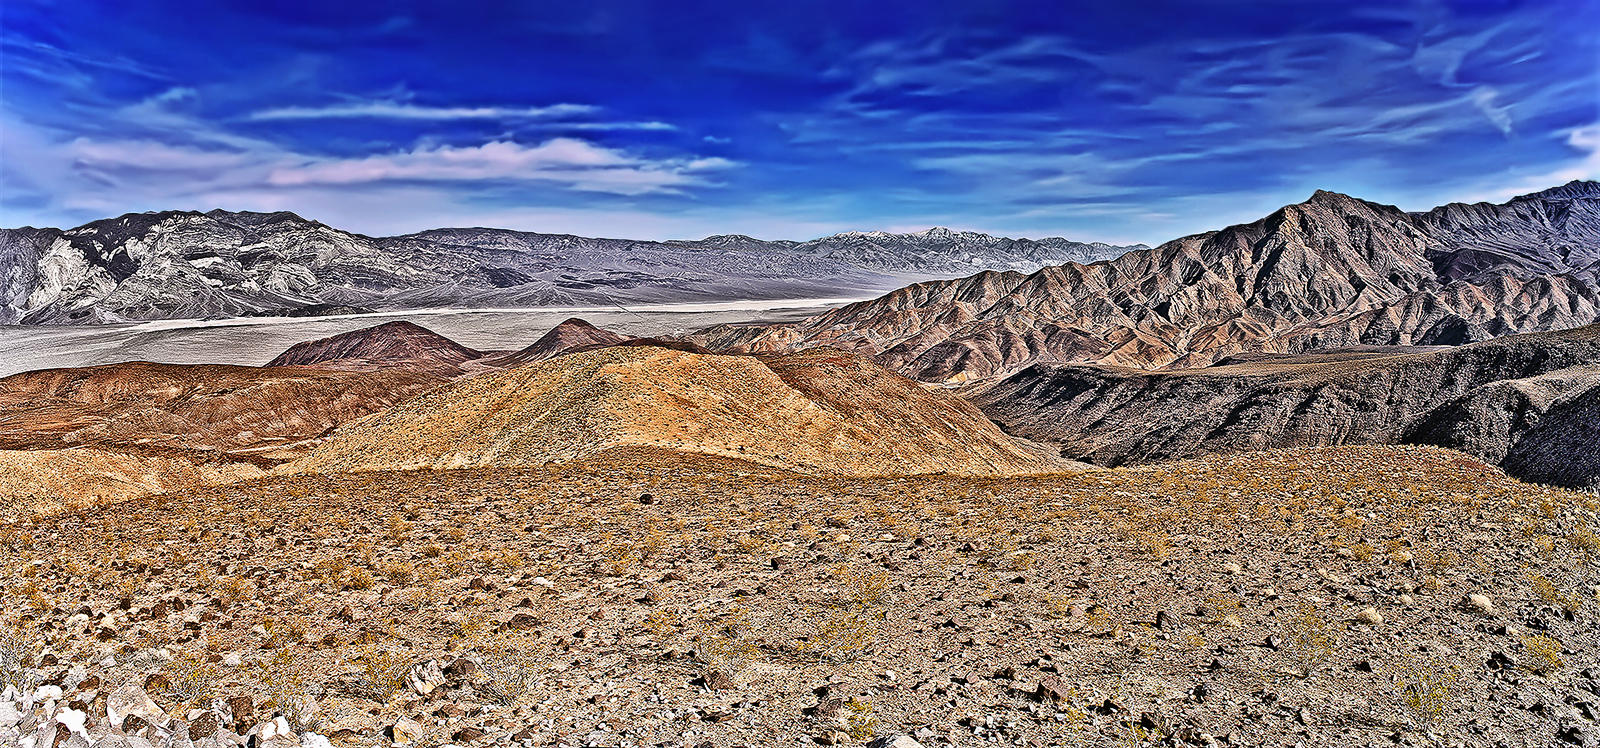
1345	596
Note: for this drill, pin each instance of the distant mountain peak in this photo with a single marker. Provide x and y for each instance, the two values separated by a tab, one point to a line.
1575	189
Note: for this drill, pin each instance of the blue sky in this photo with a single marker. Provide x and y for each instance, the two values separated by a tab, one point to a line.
1128	121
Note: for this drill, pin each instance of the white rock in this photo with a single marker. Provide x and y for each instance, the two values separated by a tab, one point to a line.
894	741
131	699
73	720
10	715
424	677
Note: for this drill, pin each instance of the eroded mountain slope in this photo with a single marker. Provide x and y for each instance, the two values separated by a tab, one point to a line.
184	264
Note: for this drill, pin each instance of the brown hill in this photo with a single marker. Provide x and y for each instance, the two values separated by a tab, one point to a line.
191	407
1330	272
573	334
398	344
822	412
1528	402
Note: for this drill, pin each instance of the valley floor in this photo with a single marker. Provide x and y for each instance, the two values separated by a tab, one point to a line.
1344	596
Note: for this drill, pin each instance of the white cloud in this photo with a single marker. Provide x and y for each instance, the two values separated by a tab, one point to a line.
554	116
401	110
1585	140
575	163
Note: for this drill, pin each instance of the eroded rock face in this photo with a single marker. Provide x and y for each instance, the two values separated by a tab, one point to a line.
1333	271
1530	403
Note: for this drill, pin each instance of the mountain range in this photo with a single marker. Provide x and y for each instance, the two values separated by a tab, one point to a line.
1331	271
182	264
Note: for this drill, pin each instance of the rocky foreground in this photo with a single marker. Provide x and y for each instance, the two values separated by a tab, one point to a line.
1345	596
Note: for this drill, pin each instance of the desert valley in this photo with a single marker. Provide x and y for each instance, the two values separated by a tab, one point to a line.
1325	478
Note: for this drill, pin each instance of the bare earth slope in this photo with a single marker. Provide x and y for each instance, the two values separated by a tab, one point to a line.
816	412
45	481
1332	271
1484	399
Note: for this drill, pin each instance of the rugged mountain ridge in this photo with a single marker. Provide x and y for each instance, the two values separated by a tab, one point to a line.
1530	403
1331	271
185	264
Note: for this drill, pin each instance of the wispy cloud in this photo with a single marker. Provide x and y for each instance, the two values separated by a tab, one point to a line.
403	110
575	163
551	117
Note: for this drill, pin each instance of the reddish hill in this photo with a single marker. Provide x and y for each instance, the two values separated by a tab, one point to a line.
573	334
397	344
191	407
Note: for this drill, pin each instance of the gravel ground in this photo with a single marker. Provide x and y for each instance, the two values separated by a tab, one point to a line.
1342	596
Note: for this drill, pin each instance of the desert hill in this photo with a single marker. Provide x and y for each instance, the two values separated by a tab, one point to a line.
571	334
1527	402
207	407
818	411
1332	271
401	344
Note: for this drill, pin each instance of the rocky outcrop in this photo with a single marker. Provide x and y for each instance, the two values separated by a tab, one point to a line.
1333	271
1530	403
183	264
818	412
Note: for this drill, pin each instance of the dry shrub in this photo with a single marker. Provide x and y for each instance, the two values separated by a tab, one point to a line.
512	665
1426	686
383	671
191	678
282	680
1544	654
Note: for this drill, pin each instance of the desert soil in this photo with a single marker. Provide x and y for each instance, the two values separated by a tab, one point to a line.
646	597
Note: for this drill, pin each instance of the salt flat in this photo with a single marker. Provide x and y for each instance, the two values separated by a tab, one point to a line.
255	340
